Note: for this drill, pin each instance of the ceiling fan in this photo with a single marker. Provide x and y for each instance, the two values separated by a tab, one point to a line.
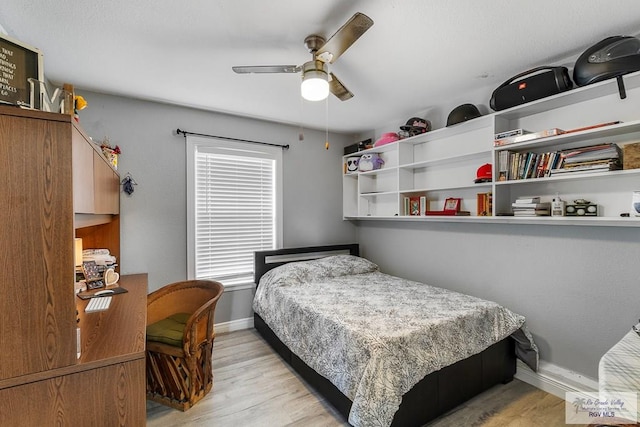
317	80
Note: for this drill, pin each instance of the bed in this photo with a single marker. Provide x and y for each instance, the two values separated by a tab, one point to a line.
363	340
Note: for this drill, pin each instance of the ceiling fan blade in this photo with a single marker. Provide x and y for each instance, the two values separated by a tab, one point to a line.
344	38
267	69
338	89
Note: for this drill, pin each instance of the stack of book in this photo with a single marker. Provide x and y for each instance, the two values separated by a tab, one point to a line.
530	206
590	159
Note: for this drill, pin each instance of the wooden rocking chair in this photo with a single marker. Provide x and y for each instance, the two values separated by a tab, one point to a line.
180	338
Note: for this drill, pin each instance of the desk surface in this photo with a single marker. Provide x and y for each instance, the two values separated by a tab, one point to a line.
119	332
108	337
105	387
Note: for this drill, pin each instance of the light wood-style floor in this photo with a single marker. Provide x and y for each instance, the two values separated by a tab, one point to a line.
254	387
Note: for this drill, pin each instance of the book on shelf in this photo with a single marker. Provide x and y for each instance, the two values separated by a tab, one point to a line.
484	204
448	213
586	168
532	212
591	153
527	137
591	163
423	205
583	172
503	165
527	199
530	206
510	133
593	126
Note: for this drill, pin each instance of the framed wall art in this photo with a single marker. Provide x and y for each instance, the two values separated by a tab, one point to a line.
19	63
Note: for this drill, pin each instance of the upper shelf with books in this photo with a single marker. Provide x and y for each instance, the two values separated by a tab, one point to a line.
615	133
445	163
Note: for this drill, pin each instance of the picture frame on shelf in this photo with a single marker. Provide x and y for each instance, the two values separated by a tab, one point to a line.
452	204
92	276
23	62
414	206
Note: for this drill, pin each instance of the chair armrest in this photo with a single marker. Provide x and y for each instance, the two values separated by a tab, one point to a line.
199	328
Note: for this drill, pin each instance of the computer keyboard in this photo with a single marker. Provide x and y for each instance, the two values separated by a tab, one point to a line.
98	304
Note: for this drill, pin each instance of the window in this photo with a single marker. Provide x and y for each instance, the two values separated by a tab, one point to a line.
233	208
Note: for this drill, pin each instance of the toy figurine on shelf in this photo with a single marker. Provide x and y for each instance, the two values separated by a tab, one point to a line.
111	153
79	103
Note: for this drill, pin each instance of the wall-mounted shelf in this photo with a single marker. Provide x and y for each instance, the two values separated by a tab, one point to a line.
561	221
442	163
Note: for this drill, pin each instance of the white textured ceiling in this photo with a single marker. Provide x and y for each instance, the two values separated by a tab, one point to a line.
418	54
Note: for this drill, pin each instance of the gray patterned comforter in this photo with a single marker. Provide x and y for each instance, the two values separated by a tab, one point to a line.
374	336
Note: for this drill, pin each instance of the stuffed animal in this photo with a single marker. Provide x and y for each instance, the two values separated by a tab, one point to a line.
352	164
369	162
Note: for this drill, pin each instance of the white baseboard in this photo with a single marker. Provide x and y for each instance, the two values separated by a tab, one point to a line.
555	379
234	325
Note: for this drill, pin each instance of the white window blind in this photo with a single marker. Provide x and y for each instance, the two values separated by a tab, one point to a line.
234	209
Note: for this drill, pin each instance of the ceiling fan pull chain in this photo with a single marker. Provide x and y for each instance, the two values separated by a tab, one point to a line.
301	130
326	123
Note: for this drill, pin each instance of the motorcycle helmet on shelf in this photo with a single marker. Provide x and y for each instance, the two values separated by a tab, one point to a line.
462	113
609	58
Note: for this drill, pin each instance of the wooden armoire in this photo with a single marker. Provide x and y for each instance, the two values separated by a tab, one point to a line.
56	185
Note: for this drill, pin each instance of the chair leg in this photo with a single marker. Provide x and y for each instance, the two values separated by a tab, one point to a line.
179	383
202	373
168	380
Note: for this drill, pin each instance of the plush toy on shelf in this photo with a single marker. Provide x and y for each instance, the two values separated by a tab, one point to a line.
352	164
369	162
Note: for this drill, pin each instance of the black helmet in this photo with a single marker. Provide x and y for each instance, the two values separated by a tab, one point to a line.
609	58
462	113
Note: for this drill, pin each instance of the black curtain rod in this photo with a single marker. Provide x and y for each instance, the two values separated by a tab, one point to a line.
185	133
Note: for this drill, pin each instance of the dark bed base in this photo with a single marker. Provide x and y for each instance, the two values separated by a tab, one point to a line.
434	395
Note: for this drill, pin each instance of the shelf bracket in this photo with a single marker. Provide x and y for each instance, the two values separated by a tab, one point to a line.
621	89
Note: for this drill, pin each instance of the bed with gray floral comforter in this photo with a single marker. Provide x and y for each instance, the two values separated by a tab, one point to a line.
374	336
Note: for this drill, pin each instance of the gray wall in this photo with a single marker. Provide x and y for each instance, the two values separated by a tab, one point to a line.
577	286
153	219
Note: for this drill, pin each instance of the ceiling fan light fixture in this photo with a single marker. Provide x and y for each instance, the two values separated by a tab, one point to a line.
315	81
